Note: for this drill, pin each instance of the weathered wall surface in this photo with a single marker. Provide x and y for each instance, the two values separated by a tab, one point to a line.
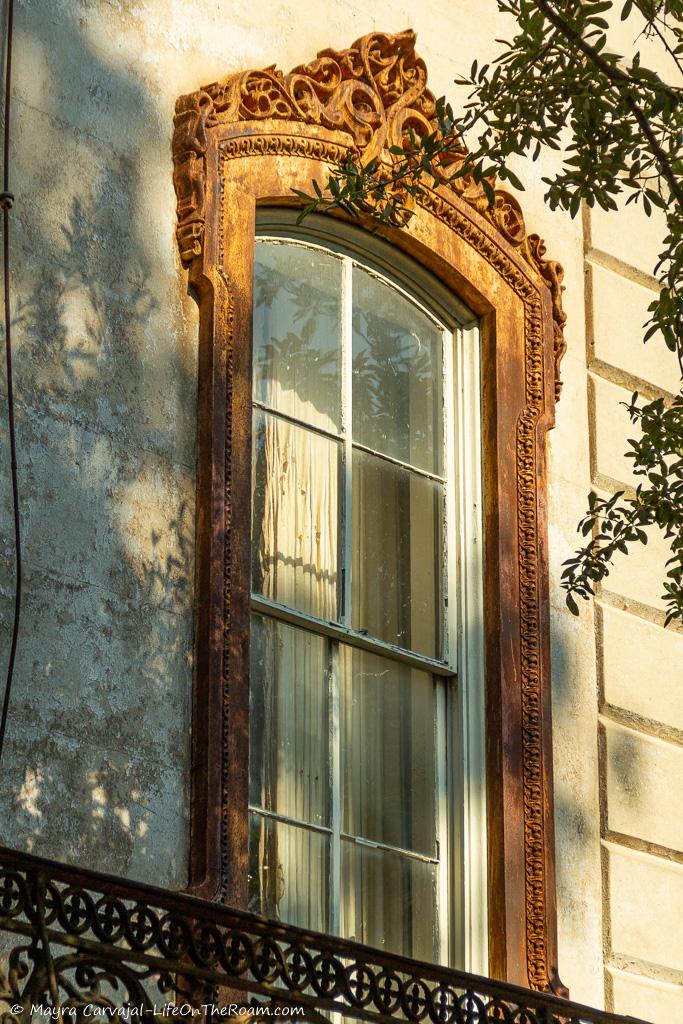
97	768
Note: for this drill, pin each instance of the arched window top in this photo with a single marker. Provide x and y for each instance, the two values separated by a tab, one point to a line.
349	348
240	147
334	95
371	251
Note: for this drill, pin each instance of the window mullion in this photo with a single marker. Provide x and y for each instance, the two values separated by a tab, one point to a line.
346	635
442	822
451	510
345	556
335	790
347	383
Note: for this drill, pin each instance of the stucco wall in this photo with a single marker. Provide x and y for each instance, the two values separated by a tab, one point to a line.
97	765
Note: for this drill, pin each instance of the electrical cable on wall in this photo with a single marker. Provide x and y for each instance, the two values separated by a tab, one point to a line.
6	200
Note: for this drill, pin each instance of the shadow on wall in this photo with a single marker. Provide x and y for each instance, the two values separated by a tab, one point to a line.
96	769
581	811
97	765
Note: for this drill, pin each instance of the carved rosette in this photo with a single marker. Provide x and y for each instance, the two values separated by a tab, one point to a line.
374	92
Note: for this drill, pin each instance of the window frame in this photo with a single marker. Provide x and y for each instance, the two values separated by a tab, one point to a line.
461	716
246	142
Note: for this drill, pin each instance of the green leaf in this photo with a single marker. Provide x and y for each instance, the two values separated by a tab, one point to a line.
512	177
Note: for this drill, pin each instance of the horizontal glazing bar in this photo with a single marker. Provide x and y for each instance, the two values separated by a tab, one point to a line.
397	462
389	848
297	423
289	821
349	636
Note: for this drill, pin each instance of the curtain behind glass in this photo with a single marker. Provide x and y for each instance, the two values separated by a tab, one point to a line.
388	787
295	541
289	773
387	710
397	375
397	588
295	500
288	745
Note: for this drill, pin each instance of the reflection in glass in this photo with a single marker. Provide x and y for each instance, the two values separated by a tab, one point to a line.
388	751
389	900
295	516
288	872
397	375
343	742
396	575
288	733
297	343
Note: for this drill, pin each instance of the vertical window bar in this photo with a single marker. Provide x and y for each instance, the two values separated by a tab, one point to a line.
443	895
471	643
446	693
347	427
335	790
345	575
450	428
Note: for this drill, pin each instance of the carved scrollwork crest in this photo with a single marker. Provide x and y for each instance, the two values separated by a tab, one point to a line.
375	92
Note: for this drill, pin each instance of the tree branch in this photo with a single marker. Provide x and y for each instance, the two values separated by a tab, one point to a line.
611	71
663	160
619	78
652	23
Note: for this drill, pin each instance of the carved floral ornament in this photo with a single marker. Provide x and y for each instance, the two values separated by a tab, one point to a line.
375	92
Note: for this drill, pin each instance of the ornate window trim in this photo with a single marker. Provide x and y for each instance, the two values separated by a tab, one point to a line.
363	100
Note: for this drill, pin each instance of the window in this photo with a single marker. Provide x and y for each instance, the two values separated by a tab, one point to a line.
357	738
240	146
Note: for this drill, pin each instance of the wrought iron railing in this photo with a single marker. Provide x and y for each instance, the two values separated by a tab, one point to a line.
85	946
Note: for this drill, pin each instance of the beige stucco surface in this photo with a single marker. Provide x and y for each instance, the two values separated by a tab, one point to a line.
106	335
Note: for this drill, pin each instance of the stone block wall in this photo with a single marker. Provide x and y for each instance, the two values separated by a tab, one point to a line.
640	663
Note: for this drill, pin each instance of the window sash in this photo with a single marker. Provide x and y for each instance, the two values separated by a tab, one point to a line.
342	632
443	857
448	606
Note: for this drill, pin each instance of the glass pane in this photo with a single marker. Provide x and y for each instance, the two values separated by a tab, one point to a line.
288	873
397	375
388	751
297	317
288	723
389	900
295	516
396	577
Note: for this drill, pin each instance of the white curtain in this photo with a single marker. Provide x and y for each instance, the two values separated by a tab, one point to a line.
296	560
296	495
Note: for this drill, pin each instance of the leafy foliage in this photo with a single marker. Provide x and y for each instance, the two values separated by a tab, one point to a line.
618	129
616	522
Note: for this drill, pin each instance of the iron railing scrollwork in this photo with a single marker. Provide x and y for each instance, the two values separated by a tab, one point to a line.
83	945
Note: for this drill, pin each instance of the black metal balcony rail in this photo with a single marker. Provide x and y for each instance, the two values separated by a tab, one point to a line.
81	945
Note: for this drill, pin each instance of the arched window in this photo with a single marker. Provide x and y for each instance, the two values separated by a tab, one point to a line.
362	618
339	402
